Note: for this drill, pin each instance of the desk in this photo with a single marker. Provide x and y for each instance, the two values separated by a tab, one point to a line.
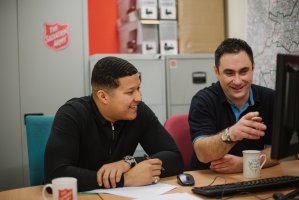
202	178
205	177
35	193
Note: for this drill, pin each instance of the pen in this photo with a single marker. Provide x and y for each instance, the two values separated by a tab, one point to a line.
148	157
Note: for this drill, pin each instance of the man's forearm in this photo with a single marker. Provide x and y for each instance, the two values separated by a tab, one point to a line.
211	148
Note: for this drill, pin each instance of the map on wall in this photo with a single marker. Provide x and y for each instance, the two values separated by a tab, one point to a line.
272	27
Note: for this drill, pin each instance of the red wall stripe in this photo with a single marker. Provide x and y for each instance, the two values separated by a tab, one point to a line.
102	16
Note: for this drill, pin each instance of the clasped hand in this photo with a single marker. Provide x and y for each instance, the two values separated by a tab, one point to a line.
144	173
227	164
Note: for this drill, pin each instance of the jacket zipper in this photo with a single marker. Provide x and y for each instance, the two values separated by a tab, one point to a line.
113	136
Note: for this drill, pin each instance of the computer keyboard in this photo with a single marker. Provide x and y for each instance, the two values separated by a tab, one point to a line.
247	186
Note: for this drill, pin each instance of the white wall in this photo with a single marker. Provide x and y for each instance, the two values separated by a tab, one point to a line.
10	124
235	18
34	78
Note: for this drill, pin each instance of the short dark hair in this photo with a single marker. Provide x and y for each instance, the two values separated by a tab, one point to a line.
232	45
108	70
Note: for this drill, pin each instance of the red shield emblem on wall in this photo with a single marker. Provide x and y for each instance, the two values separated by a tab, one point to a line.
56	35
66	194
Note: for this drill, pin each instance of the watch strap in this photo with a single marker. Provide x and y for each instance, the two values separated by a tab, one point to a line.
225	136
130	160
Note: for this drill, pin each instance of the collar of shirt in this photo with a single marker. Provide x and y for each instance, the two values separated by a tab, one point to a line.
114	129
100	117
238	111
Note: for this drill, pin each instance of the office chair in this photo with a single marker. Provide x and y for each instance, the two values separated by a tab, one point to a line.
38	128
178	128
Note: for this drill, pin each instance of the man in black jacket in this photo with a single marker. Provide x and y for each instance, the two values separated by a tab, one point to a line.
93	138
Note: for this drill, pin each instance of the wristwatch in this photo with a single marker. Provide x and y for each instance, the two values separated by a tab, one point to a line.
225	137
130	160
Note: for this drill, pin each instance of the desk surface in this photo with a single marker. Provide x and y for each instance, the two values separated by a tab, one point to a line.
202	178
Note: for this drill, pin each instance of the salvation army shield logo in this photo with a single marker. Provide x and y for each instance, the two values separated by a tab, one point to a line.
65	194
56	35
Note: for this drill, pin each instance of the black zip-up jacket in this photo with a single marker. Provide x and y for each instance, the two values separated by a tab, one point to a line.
81	141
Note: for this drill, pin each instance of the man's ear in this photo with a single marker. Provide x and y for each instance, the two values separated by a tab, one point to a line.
216	72
102	96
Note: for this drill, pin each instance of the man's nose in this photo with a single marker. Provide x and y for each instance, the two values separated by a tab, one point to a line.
138	96
237	80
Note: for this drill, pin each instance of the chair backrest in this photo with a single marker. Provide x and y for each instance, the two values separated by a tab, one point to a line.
38	128
178	128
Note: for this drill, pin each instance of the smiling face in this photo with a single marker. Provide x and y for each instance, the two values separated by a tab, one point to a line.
235	75
121	103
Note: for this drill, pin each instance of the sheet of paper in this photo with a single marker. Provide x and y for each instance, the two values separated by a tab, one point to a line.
137	192
173	196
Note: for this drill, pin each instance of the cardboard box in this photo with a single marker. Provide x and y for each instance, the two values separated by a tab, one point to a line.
168	36
138	37
167	9
201	25
143	9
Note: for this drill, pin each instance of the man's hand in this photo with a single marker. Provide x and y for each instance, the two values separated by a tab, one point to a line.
250	126
227	164
144	173
111	173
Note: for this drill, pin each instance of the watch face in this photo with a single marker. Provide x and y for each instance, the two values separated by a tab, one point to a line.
223	137
130	160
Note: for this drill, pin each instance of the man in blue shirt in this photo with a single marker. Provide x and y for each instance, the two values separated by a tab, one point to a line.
233	114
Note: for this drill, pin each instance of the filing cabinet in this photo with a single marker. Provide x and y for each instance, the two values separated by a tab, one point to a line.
185	75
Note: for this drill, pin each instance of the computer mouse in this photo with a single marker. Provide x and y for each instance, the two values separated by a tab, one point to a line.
185	179
278	196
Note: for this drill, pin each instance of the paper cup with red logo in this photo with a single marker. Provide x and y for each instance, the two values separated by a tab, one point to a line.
64	188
